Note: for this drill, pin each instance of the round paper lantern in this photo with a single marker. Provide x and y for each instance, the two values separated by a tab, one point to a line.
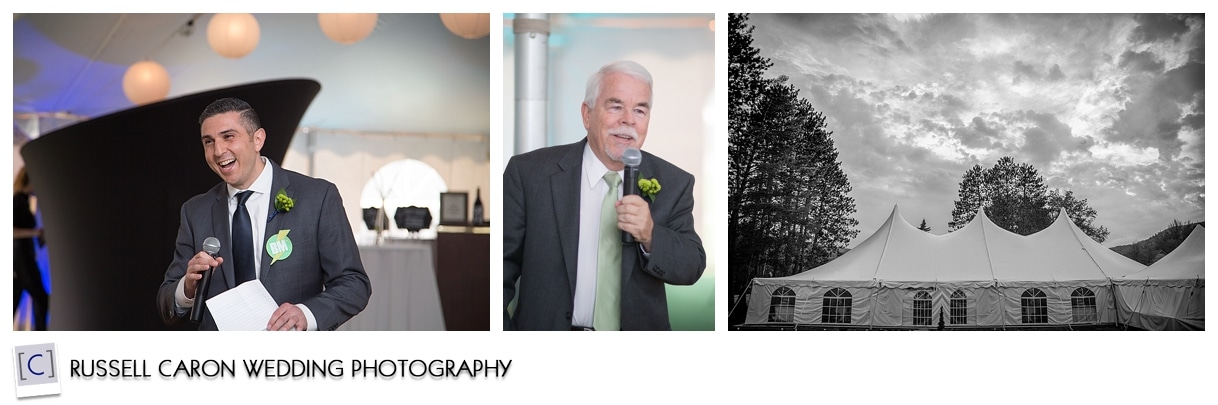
347	29
233	35
146	82
468	26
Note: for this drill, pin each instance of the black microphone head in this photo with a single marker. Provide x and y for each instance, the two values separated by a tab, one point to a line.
632	157
211	245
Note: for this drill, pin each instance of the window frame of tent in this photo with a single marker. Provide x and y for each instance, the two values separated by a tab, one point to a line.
836	307
1082	306
958	308
1034	307
782	305
923	310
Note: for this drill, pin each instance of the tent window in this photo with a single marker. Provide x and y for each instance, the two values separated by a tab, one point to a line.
782	305
1082	304
959	308
837	307
1034	307
921	308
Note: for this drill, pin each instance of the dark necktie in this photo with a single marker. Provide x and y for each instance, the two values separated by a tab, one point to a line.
243	240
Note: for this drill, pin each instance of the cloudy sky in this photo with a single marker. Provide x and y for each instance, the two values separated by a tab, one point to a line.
1109	106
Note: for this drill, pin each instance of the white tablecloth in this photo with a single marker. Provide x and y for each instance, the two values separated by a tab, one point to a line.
404	291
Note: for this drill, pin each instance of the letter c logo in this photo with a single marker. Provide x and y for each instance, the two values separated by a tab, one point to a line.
28	364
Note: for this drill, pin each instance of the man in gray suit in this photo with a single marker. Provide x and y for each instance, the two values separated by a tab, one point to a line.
556	238
305	253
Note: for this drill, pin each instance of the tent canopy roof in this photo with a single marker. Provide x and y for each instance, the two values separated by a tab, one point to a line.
1186	262
898	254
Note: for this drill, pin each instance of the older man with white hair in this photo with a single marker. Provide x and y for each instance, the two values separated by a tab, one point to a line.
564	260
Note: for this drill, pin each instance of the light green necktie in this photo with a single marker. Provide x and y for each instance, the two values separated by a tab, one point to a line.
607	313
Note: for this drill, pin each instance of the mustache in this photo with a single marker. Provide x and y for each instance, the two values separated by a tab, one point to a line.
625	131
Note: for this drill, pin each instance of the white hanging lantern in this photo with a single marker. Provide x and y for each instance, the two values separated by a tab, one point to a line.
468	26
233	35
347	29
146	82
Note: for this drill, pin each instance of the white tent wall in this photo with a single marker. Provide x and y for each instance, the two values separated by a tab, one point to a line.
809	303
350	158
1170	294
1161	307
1060	308
896	307
893	307
991	267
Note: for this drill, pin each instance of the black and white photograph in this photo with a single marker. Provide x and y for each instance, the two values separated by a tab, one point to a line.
966	171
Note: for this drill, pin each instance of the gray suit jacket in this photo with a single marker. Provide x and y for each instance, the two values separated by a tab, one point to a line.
541	237
324	271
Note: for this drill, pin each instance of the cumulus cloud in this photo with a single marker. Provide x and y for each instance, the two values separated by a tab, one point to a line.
1158	27
1194	121
952	105
978	134
1055	73
1144	61
1026	71
1023	70
1153	116
913	103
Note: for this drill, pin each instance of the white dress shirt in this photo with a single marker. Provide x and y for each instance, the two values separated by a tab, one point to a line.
257	205
592	191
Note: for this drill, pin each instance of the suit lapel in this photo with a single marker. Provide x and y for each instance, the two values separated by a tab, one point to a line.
279	181
220	222
566	208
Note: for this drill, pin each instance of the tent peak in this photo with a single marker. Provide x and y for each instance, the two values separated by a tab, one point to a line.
980	214
1062	215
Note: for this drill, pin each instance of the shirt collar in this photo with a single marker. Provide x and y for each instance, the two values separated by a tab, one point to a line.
262	185
594	169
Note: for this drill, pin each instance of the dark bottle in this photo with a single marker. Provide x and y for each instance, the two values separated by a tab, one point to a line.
478	207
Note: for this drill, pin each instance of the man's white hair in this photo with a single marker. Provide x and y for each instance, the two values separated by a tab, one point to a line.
631	68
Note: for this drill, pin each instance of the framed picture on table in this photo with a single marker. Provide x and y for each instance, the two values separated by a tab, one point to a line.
454	209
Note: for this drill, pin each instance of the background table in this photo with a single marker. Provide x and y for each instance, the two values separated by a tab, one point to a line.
405	295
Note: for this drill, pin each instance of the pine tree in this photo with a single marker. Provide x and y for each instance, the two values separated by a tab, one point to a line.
1079	212
789	208
923	227
1015	197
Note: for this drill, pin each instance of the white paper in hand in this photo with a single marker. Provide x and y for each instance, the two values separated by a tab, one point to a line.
247	307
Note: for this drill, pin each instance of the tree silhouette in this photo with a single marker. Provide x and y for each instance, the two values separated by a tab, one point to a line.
789	208
1015	197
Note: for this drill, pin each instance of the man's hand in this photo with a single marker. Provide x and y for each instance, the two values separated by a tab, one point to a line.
194	271
634	217
288	317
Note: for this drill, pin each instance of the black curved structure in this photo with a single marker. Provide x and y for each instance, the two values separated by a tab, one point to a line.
110	191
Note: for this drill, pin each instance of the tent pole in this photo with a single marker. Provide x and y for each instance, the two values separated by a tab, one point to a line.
1002	313
871	326
742	293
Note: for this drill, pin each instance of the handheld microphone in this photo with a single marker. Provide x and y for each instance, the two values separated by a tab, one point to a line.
632	158
211	245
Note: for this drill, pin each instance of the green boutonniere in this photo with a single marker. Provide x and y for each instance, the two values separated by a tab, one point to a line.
283	203
649	188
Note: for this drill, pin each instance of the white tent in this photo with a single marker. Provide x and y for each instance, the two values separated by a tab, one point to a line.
1170	294
980	275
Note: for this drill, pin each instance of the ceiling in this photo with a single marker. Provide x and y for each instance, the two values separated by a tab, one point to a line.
411	75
